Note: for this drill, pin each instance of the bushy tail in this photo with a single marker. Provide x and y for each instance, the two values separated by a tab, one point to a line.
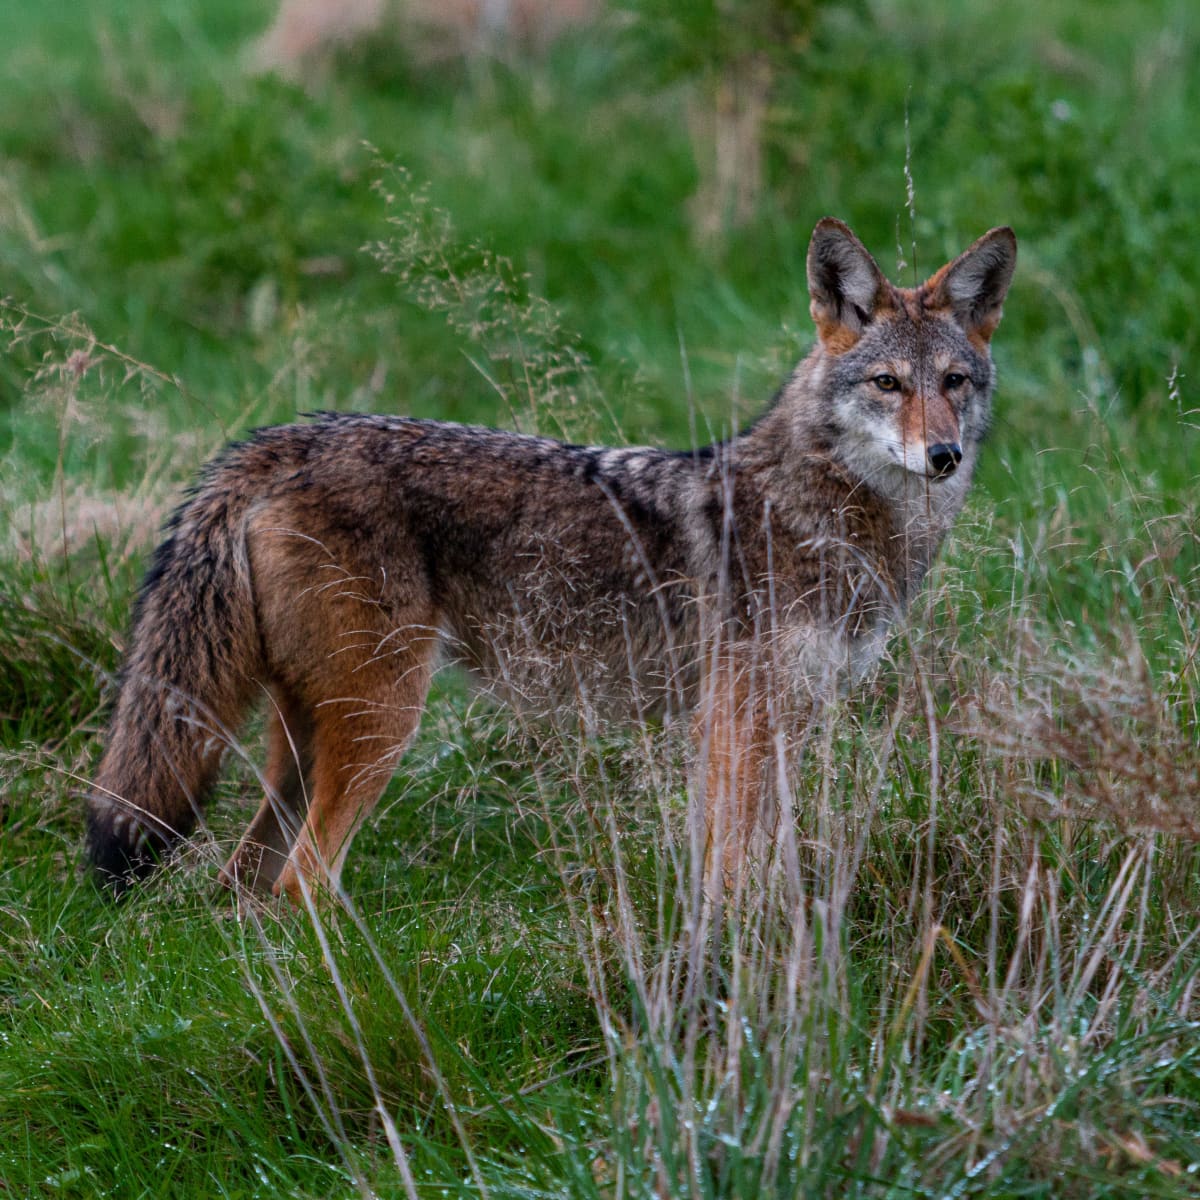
188	679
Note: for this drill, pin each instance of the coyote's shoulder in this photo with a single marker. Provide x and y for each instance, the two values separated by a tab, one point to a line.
335	563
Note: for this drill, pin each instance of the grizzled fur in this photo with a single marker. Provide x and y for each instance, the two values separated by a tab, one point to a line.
332	566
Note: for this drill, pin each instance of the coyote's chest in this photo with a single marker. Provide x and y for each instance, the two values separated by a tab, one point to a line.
621	634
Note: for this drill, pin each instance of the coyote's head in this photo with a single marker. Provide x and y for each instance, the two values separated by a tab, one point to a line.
904	375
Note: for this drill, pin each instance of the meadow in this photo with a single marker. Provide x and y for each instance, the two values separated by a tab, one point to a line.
973	969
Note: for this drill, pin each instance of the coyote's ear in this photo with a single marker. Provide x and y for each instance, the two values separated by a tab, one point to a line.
974	285
845	287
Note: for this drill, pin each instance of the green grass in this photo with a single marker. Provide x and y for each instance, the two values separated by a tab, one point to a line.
979	974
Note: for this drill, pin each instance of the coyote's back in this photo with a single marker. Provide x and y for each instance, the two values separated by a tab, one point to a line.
331	567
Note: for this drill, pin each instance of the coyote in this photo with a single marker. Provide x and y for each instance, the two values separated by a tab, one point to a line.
333	565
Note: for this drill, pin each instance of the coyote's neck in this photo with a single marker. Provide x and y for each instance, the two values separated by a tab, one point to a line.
893	526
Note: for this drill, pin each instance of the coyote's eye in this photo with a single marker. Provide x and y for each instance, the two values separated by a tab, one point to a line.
886	383
954	380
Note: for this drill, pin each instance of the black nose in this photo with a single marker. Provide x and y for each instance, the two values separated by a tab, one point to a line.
944	457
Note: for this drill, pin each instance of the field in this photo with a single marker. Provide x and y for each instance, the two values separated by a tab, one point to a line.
974	969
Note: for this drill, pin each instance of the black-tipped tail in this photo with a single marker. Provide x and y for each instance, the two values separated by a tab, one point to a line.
189	676
121	847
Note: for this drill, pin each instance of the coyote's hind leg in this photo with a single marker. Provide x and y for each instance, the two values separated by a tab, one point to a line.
359	735
350	634
267	842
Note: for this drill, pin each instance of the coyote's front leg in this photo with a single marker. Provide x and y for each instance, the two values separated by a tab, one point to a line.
732	735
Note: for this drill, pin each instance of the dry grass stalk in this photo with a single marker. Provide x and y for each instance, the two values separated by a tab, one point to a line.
1095	741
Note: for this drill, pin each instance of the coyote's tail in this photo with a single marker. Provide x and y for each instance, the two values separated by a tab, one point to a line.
189	677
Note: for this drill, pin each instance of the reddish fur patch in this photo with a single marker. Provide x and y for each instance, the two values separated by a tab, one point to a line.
934	290
929	421
836	337
733	722
981	335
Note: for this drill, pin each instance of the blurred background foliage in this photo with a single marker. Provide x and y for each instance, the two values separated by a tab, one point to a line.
192	209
